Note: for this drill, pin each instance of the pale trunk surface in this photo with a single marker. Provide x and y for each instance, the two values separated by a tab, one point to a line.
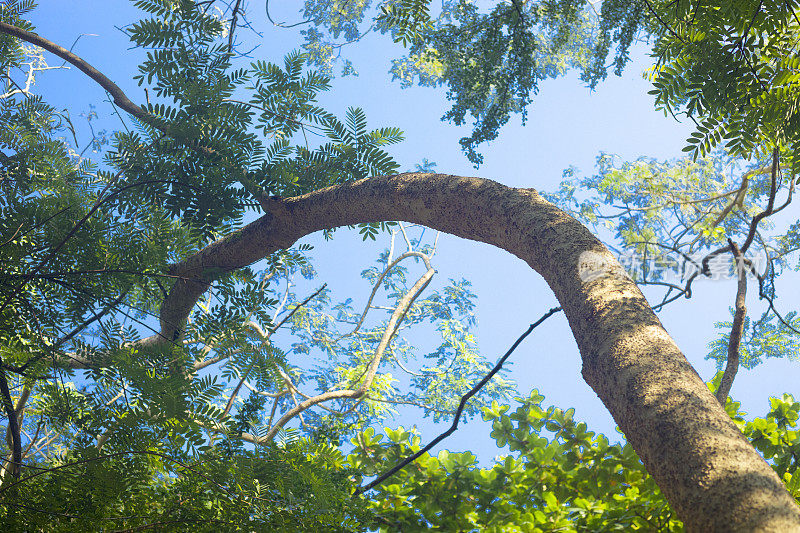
714	479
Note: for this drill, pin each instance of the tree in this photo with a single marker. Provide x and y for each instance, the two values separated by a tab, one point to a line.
197	167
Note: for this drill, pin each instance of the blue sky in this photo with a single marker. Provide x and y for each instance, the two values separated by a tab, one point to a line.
567	125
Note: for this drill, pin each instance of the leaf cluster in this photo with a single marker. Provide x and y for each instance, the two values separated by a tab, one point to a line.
556	476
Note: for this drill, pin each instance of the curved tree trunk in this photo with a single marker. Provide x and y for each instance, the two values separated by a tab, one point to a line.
707	470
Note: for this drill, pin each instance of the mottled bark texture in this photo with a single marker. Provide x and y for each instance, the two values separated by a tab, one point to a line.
707	470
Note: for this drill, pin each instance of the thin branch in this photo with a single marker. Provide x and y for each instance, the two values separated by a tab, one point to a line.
405	237
408	460
265	337
120	98
208	362
262	393
664	24
762	294
13	424
735	338
394	322
13	236
294	310
281	24
740	194
773	189
435	244
391	248
232	30
75	228
377	285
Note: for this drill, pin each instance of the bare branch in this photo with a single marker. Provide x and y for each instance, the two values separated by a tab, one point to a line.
377	285
394	322
457	417
232	29
735	338
13	431
281	24
773	190
405	237
35	64
265	337
120	98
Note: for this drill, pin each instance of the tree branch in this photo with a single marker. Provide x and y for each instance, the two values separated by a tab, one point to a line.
264	338
232	30
773	190
377	285
391	328
735	338
13	431
19	412
676	425
120	99
740	194
707	470
457	417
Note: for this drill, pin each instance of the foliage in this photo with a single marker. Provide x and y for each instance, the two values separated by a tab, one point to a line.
299	487
731	67
328	346
670	219
556	476
344	344
117	433
491	62
763	338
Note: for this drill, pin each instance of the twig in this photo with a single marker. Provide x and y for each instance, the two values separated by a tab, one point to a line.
111	306
740	194
773	189
377	285
281	24
664	24
120	98
75	228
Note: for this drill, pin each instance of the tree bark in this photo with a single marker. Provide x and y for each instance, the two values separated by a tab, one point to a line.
713	478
